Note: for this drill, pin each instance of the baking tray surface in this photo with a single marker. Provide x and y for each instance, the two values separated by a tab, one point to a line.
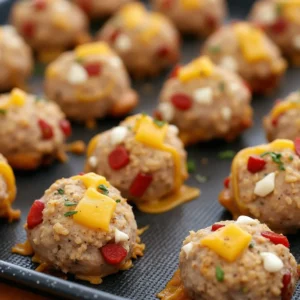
166	232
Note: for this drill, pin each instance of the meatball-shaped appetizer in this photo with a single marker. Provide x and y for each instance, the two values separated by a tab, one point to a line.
196	17
145	160
265	184
50	26
83	226
245	49
32	130
15	59
90	82
281	21
96	8
283	122
233	261
205	102
7	191
147	42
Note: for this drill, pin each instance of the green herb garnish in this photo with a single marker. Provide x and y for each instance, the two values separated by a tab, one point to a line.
222	86
79	60
103	189
39	99
227	154
69	203
159	123
291	157
219	274
251	245
118	200
276	157
278	9
61	191
214	49
191	166
3	112
201	178
70	213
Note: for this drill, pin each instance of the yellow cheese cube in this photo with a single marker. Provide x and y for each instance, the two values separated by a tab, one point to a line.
152	30
148	133
91	180
191	4
291	10
60	21
133	14
17	97
95	210
201	67
229	242
92	49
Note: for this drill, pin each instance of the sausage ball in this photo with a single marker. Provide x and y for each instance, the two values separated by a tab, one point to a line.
196	17
281	22
90	82
32	130
145	160
237	260
7	191
83	226
15	59
147	42
96	8
264	183
245	49
283	122
50	26
205	102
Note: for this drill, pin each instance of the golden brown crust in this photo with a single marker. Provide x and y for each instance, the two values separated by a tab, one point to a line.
125	104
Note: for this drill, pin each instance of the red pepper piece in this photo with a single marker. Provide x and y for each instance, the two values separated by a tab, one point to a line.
216	227
297	146
118	158
35	215
226	182
114	35
157	115
166	4
81	173
46	129
93	69
211	22
85	5
163	52
255	164
39	4
66	128
113	254
247	85
285	292
175	71
279	26
28	29
140	184
182	101
276	239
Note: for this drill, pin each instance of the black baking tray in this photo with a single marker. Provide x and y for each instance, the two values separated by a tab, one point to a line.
166	232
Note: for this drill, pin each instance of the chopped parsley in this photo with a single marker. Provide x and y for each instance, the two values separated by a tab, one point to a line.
291	157
159	123
201	178
69	203
103	189
70	213
251	245
118	200
79	60
278	9
276	157
191	166
219	274
215	49
222	86
3	112
61	191
39	99
227	154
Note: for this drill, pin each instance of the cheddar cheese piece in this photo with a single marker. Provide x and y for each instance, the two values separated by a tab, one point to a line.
191	4
91	180
92	49
17	98
283	107
133	14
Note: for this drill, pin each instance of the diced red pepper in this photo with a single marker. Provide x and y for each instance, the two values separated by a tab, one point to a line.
114	35
157	115
285	291
297	146
81	173
175	71
28	29
226	182
140	184
66	128
163	52
118	158
276	239
279	26
255	164
93	69
46	129
113	254
247	85
35	215
211	22
166	4
216	227
182	101
274	122
39	4
85	5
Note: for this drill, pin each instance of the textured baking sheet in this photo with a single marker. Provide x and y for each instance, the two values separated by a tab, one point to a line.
166	232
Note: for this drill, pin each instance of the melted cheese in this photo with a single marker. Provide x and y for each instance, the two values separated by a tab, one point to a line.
283	107
133	14
251	41
98	48
191	4
167	203
17	98
23	249
91	180
92	145
291	10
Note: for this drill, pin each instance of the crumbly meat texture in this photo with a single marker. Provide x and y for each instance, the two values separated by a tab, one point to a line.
15	60
73	248
263	76
202	20
245	278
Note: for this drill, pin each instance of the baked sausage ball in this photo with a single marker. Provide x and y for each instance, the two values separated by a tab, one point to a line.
234	261
205	102
32	130
15	59
264	183
281	21
196	17
245	49
283	122
147	42
90	82
50	26
96	8
7	191
83	226
145	160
